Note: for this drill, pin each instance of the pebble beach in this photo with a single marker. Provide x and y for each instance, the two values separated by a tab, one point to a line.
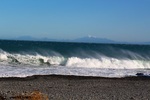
58	87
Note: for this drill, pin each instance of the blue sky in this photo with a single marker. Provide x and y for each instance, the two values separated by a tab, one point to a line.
120	20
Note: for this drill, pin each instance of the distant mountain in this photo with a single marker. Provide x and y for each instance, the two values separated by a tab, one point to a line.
29	38
25	38
146	43
91	39
47	39
88	39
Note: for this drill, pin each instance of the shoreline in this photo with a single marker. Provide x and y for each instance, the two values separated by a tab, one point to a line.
65	87
76	77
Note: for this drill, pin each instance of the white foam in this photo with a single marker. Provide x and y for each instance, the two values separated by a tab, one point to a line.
3	56
8	71
22	65
106	62
98	62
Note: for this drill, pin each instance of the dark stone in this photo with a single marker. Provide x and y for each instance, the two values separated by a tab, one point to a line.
140	74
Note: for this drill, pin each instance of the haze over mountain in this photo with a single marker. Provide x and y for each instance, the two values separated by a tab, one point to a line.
87	39
92	39
29	38
25	38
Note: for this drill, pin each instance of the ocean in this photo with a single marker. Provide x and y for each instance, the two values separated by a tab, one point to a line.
27	58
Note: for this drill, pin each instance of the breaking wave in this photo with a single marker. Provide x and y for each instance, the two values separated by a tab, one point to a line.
99	61
26	58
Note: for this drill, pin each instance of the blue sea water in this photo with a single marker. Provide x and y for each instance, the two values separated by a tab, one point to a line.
26	58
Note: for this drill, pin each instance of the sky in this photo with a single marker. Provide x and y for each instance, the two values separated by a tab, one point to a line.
119	20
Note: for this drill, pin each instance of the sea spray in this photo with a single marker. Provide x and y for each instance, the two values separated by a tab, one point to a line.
26	58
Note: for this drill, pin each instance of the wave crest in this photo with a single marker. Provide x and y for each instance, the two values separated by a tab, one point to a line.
100	61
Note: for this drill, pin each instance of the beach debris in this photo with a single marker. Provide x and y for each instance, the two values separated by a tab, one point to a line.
35	95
